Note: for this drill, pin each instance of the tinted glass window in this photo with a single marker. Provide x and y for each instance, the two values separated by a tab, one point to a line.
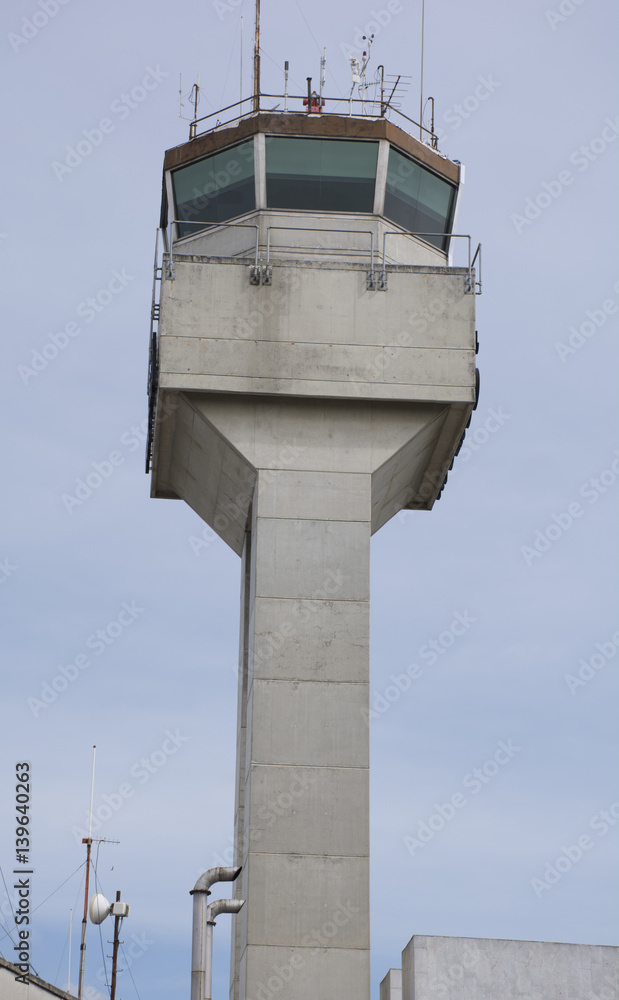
326	175
215	189
417	199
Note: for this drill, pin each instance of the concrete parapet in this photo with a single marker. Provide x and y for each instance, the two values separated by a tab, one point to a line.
489	969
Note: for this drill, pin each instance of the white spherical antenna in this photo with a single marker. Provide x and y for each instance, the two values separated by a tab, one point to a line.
99	908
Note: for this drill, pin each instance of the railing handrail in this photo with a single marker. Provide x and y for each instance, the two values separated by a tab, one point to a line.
449	236
365	102
319	229
214	226
217	226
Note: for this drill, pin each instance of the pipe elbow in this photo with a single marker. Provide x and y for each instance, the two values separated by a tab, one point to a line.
213	875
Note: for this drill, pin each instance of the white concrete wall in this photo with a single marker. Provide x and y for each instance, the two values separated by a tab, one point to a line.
34	989
488	969
317	330
391	986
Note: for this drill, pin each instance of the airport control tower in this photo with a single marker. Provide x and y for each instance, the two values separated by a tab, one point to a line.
312	373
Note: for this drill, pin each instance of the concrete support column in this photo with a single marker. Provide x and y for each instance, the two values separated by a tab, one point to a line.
303	933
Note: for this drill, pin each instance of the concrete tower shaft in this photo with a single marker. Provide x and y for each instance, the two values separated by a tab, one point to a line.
312	373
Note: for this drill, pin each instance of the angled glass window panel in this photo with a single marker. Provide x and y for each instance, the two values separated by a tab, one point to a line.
324	175
417	199
435	206
215	189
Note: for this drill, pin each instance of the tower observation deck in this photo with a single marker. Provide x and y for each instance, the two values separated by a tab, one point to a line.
312	373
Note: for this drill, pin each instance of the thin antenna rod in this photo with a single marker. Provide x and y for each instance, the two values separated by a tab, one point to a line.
88	841
257	60
70	932
423	18
241	67
197	98
92	791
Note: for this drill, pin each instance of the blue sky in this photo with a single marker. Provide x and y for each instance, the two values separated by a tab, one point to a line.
522	543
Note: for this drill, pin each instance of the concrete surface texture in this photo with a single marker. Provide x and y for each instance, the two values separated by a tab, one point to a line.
391	986
11	988
488	969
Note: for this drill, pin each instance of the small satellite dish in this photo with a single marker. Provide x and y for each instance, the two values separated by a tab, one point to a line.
99	908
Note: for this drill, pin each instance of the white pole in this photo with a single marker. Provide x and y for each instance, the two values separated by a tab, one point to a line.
92	790
423	17
70	930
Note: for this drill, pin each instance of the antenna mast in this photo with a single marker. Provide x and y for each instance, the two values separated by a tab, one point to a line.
88	841
257	60
423	17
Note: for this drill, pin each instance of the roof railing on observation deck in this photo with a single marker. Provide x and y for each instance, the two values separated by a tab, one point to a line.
250	106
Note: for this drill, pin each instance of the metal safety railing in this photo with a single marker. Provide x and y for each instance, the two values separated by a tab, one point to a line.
262	273
153	355
210	228
472	285
318	229
249	106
